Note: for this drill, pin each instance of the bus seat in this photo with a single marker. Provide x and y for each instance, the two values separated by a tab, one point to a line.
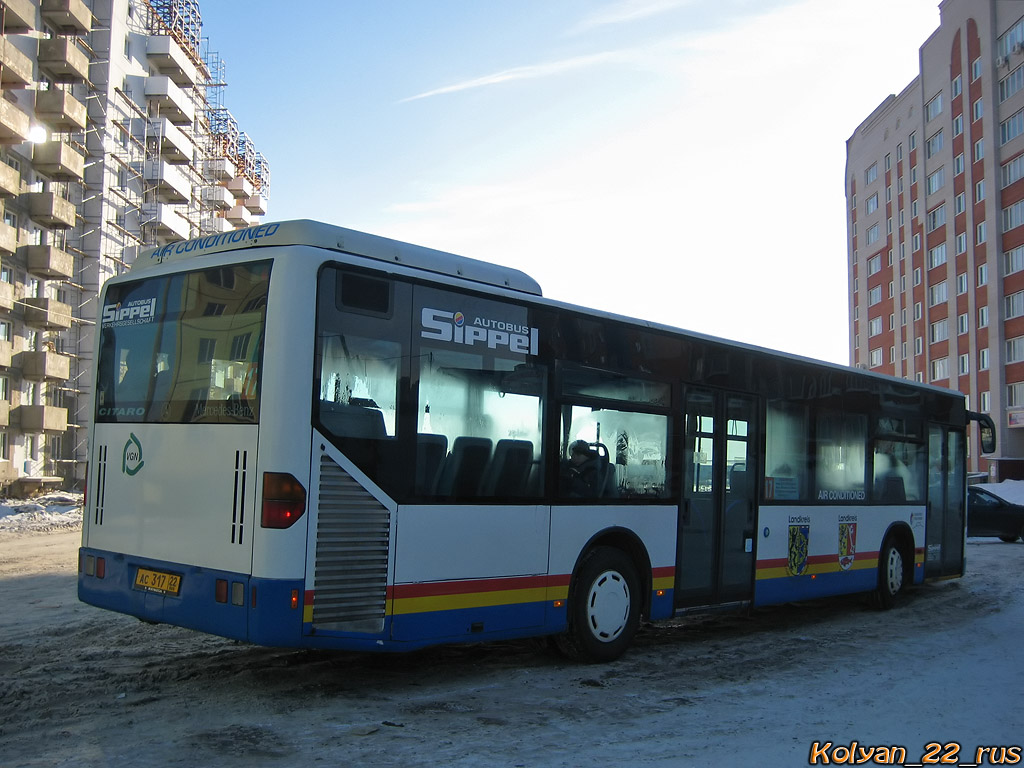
891	489
430	453
464	467
508	470
352	421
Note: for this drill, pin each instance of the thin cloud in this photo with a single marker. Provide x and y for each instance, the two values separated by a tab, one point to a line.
528	72
625	11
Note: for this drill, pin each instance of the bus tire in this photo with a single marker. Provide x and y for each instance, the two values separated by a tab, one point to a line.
604	607
892	575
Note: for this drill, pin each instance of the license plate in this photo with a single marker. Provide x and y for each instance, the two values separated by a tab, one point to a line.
158	581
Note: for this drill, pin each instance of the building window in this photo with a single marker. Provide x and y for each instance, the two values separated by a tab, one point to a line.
874	264
1010	84
980	233
1014	305
961	324
871	205
936	218
957	86
1015	394
977	110
871	173
874	326
940	369
934	108
934	145
958	125
961	283
1013	261
916	242
937	256
982	275
983	317
936	180
917	276
979	150
958	164
983	359
1013	216
875	358
964	364
917	310
1011	127
979	191
961	243
874	295
872	235
1011	170
976	69
918	345
939	331
986	402
959	204
937	294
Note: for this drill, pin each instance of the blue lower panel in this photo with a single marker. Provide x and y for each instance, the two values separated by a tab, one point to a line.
792	588
264	616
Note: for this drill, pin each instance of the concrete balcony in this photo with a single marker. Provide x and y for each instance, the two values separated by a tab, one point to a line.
241	188
10	181
58	160
63	61
239	216
171	185
15	66
51	210
218	198
168	223
172	144
6	298
14	124
60	110
44	364
218	169
216	225
48	261
5	413
172	102
169	59
50	314
6	353
8	238
257	205
43	418
68	17
19	16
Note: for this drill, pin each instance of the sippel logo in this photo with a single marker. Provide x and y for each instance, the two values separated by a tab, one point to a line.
131	460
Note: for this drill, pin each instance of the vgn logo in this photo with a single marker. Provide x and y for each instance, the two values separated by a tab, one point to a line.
131	460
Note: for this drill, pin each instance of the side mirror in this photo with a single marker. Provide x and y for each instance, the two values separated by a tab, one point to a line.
988	430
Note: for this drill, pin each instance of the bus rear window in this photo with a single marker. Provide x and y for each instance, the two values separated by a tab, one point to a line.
184	348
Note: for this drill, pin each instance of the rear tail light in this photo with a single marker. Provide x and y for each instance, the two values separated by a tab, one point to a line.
101	567
284	500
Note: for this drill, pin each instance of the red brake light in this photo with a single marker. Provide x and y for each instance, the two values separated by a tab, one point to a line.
284	500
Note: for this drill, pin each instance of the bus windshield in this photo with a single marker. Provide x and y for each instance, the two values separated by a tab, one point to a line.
183	348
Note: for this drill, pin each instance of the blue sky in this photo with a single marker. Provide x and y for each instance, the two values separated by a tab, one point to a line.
676	160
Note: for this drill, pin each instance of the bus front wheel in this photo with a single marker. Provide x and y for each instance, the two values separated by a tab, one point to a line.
604	607
891	575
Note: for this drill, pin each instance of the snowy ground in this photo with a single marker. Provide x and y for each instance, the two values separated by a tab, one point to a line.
84	687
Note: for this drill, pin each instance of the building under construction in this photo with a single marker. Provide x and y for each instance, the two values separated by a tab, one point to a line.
114	136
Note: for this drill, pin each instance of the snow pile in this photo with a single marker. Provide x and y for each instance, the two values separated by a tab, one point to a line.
50	512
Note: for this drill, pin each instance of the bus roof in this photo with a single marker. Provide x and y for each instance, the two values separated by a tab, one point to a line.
319	235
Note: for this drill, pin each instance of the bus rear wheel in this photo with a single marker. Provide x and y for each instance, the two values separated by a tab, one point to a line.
604	607
891	575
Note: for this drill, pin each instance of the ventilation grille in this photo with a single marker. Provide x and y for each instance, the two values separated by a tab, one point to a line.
352	540
238	499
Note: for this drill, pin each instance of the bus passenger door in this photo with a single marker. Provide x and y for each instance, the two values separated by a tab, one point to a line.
715	561
944	527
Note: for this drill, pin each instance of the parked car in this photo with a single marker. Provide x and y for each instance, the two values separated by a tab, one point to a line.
996	509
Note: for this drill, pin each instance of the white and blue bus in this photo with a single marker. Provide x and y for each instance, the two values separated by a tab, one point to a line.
309	436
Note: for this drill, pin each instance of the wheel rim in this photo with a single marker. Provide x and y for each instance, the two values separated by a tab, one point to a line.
894	571
608	606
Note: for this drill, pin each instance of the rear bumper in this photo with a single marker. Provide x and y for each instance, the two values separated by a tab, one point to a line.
244	608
